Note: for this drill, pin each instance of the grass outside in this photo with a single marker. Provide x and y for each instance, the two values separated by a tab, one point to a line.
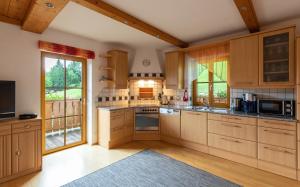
59	95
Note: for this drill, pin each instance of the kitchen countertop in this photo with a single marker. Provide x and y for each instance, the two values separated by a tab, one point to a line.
223	111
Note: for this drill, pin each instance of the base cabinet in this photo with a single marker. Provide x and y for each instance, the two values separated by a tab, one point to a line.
5	156
194	127
115	127
170	125
24	155
21	148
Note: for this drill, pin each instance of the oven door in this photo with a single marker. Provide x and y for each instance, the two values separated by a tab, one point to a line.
271	107
147	122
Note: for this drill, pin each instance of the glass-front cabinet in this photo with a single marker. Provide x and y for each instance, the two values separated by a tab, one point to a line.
276	58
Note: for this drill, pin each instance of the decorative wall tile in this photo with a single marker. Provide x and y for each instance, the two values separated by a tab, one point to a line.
265	93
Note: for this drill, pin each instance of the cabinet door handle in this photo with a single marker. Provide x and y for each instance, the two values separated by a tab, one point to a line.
196	113
229	125
244	82
230	140
27	126
278	150
234	118
18	153
276	132
276	123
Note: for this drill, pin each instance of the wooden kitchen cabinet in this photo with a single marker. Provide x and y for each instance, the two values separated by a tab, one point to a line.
5	150
170	125
298	59
277	145
174	70
244	62
21	148
276	58
194	127
26	146
115	127
118	64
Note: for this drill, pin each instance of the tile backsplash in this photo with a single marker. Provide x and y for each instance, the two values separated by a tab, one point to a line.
134	86
265	93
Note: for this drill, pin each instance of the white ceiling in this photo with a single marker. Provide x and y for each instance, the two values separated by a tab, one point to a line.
189	20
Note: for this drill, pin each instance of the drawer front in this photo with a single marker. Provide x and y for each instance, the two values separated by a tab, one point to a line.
129	115
26	126
243	147
117	121
203	114
116	114
116	133
277	155
277	124
233	119
236	130
277	137
5	129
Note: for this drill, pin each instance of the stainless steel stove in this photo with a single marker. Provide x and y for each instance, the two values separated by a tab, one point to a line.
147	118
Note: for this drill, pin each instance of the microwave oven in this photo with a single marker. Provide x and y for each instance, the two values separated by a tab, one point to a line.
284	108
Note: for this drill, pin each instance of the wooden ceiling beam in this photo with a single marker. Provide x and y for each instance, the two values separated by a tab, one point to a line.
40	14
10	20
121	16
248	14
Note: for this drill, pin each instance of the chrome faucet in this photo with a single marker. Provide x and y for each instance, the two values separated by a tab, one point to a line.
205	102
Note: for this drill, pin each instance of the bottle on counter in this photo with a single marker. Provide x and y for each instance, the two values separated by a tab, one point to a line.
185	96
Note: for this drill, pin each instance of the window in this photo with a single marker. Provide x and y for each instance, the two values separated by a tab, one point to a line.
210	86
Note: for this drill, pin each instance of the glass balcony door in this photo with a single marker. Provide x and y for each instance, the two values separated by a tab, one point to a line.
63	102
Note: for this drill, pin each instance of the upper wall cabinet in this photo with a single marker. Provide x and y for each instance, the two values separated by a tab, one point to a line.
118	62
276	58
244	62
174	69
298	60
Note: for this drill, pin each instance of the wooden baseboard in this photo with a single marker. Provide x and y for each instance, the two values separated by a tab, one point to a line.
278	169
183	143
233	157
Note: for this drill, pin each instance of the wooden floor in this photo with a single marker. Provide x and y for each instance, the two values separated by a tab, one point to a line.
65	166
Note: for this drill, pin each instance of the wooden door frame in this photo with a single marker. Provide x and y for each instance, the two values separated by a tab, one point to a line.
43	100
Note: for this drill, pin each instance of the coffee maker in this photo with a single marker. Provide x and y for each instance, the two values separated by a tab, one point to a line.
249	103
237	104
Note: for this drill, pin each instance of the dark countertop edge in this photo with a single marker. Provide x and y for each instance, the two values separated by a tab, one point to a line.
112	108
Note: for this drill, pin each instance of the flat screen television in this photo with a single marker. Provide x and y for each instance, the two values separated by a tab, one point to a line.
7	99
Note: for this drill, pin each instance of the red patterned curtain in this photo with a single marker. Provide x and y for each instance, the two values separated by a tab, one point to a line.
66	50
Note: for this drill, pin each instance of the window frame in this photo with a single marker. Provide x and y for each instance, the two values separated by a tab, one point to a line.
211	88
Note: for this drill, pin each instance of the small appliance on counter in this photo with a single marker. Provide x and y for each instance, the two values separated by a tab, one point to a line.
27	116
249	103
236	104
276	107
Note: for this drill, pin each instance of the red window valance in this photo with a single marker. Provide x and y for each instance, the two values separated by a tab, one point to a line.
66	50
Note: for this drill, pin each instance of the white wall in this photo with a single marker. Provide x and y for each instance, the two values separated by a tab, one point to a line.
155	57
20	60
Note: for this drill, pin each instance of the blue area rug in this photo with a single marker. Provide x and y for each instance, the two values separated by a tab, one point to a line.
150	169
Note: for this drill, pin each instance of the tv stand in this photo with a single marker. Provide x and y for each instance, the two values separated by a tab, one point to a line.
21	145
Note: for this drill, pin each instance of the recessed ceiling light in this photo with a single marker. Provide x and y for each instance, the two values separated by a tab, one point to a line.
49	5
